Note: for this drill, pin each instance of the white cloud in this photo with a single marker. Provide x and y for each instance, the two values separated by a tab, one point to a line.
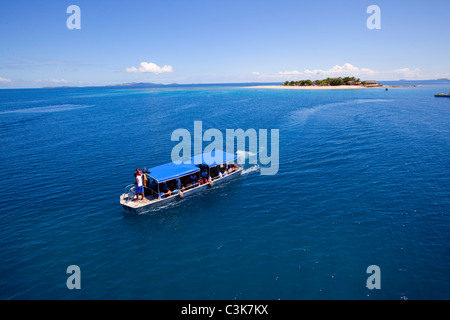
5	80
289	72
345	70
149	67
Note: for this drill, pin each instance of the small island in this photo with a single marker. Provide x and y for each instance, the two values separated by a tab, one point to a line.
334	82
328	83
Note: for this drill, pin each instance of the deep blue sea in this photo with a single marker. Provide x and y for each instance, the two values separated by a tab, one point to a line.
364	179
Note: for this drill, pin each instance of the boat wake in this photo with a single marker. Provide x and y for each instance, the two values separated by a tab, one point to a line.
243	156
301	116
252	169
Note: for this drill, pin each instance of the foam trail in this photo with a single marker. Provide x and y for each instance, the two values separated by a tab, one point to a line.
301	116
252	169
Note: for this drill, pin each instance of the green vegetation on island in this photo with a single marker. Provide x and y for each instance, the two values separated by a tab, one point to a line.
347	81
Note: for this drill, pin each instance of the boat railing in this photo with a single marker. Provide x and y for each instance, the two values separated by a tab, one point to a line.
155	194
130	191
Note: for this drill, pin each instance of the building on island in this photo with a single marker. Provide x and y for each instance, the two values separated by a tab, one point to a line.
372	83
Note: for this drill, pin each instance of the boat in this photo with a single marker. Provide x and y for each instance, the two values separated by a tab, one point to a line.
442	95
204	168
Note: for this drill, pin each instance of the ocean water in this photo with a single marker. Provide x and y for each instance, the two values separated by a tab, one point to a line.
364	179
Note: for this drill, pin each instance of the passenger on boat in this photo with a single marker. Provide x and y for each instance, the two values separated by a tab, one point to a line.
186	182
165	190
179	185
216	173
139	185
145	179
193	178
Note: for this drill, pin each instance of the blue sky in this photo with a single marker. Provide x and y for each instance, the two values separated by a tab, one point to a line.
209	41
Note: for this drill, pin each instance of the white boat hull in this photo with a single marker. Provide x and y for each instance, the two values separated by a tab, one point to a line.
147	205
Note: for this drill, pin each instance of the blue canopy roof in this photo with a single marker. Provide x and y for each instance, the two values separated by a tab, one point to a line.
171	171
213	158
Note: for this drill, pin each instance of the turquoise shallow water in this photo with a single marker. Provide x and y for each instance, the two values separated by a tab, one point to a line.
363	180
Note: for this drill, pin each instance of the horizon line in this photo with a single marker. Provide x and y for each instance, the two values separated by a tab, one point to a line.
130	84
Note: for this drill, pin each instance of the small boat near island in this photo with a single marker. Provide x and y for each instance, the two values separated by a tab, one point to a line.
171	181
443	95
